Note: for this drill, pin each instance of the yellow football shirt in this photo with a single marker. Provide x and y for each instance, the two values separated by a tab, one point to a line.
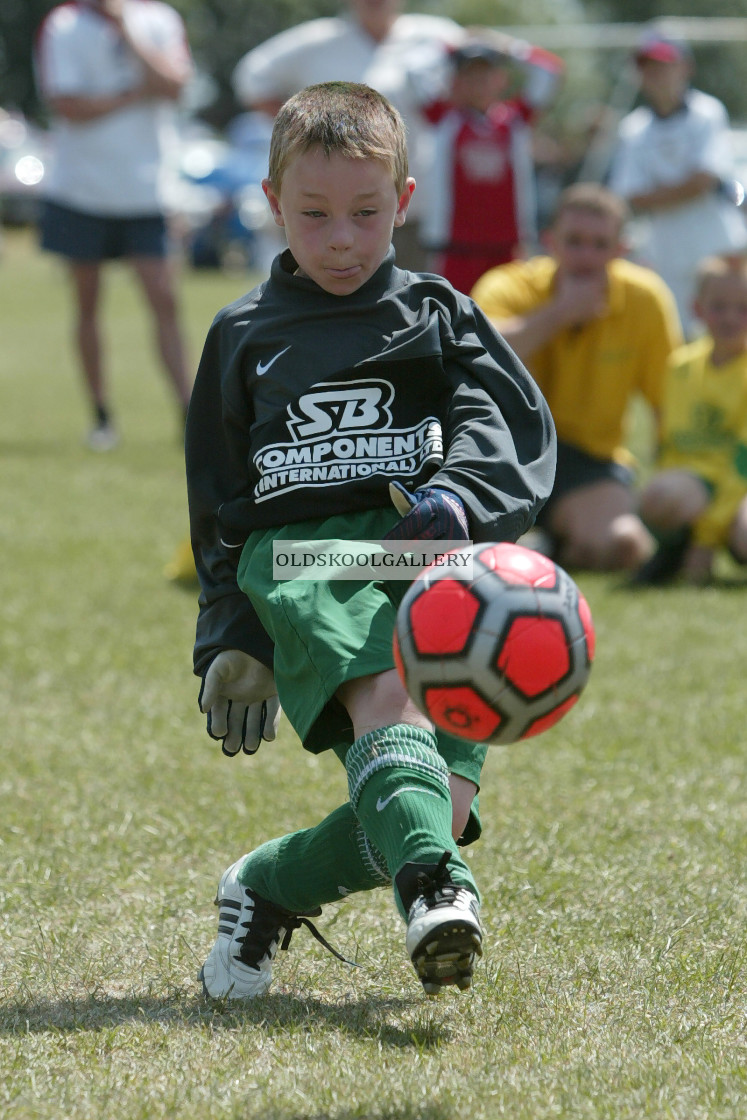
704	430
590	373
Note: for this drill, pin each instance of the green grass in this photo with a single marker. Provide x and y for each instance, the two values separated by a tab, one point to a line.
612	865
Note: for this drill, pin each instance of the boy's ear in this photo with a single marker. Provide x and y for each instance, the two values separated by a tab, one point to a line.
274	202
403	203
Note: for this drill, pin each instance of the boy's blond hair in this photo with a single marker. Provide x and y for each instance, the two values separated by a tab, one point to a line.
345	117
595	199
713	268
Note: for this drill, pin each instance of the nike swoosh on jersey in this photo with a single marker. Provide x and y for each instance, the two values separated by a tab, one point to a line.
382	803
262	367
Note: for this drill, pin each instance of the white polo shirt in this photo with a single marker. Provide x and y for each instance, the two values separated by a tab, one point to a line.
338	49
116	164
660	151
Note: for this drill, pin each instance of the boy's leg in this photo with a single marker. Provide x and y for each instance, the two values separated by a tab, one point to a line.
310	868
670	504
325	633
399	788
591	514
737	540
334	859
264	896
398	780
672	500
465	761
598	528
697	567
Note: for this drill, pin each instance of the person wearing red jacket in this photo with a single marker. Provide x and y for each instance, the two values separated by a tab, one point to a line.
481	208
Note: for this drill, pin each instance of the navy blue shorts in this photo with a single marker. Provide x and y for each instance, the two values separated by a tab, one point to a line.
576	468
95	237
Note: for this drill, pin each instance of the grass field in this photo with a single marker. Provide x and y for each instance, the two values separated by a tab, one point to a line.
612	864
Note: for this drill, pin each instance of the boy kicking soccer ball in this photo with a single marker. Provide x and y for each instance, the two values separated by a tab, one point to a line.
337	376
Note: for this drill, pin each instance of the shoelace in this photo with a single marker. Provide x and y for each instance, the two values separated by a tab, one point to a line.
438	880
264	930
296	921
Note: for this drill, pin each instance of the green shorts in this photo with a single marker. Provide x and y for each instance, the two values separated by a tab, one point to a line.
327	632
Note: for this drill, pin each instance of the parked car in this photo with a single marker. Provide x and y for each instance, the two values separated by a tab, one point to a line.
219	198
24	160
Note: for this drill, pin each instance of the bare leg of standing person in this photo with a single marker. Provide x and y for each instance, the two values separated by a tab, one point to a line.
86	279
155	275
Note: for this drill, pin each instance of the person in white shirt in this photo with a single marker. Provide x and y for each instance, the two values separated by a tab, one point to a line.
371	42
111	72
673	165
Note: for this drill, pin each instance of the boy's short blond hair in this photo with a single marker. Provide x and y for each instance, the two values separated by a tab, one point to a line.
345	117
593	198
714	268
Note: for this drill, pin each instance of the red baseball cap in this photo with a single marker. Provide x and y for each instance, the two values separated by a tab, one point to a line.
662	48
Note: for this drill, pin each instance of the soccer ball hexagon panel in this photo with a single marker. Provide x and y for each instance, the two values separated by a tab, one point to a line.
500	657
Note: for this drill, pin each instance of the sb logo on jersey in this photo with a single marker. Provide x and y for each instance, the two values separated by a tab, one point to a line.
341	406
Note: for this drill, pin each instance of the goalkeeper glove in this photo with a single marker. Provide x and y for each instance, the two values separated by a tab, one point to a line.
430	514
239	697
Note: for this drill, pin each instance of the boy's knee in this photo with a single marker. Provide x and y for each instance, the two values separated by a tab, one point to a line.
738	543
673	499
621	545
630	543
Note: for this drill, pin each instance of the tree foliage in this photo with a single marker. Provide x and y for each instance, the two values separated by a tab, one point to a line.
719	65
221	31
19	20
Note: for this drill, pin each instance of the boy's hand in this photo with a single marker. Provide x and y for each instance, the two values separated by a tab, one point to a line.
430	514
239	696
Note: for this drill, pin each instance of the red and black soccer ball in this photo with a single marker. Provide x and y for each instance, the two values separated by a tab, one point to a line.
499	657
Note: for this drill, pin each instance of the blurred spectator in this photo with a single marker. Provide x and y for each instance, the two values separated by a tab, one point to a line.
371	42
112	71
594	330
480	202
697	501
674	166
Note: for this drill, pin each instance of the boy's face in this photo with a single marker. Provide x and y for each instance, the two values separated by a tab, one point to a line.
584	242
338	215
722	307
478	85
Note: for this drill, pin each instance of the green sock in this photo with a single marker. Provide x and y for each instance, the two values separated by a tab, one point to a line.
317	865
399	788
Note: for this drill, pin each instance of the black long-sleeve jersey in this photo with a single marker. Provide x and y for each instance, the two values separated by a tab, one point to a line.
308	404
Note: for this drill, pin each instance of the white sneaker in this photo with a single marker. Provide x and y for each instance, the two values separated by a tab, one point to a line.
250	931
102	438
444	935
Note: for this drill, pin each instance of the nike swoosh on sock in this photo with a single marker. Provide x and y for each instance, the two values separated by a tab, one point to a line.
382	803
